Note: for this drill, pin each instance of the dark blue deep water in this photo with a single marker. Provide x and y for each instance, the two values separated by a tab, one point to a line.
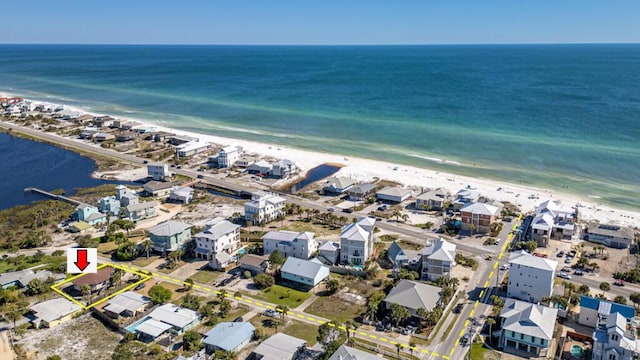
562	117
26	163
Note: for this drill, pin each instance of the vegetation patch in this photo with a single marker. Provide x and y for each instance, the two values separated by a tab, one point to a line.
281	295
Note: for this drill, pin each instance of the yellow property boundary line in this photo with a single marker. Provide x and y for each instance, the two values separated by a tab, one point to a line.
54	287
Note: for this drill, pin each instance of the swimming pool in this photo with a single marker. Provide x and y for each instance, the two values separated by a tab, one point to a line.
132	328
242	251
358	267
577	351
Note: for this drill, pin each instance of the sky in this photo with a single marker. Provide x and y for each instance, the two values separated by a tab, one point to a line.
324	22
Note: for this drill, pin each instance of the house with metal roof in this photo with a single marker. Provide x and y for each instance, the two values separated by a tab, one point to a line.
356	241
393	194
338	185
127	304
53	312
433	199
126	196
158	189
218	242
478	217
465	197
618	237
109	205
181	194
530	277
616	337
90	214
228	336
302	245
527	328
303	274
345	352
330	252
438	260
360	192
396	255
278	347
21	278
554	221
263	206
592	310
141	210
169	235
166	318
413	295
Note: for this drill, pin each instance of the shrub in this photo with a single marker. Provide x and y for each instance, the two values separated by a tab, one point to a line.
264	281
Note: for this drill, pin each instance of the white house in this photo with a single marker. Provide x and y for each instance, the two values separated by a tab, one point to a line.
263	206
615	339
438	260
191	148
227	156
553	222
348	353
302	245
261	167
527	328
228	336
530	277
218	242
304	274
329	251
140	211
393	194
614	236
181	194
433	199
158	188
126	196
338	185
464	197
593	310
158	171
356	241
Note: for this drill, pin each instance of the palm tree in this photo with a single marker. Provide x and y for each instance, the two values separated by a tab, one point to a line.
349	324
128	225
284	312
635	298
85	290
398	348
405	217
412	346
604	286
491	321
188	284
147	245
116	276
422	313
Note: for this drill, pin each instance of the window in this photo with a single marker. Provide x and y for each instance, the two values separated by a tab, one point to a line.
513	334
612	357
521	336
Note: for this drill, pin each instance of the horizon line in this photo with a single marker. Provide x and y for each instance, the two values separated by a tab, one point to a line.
320	44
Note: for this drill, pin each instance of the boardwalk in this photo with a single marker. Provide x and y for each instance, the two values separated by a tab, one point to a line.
53	196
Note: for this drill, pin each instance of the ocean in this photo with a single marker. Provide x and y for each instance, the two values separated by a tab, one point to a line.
560	117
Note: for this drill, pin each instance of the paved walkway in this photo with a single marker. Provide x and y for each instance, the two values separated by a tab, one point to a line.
306	303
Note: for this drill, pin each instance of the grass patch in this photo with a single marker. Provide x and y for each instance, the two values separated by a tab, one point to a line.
144	261
206	276
302	331
21	262
281	295
331	307
107	248
318	229
167	270
232	315
389	237
479	352
410	246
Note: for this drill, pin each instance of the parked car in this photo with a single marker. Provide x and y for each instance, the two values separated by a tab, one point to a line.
408	330
578	272
464	340
347	210
496	242
504	267
331	209
200	176
271	312
568	260
564	275
140	286
382	208
618	283
560	254
458	308
238	319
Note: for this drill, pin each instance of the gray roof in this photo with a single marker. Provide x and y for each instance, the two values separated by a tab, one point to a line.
216	228
610	230
157	185
95	216
339	182
329	246
142	206
128	300
174	315
288	236
279	346
525	259
395	252
354	232
443	250
348	353
414	295
169	228
394	191
23	277
253	260
304	268
439	194
153	327
362	188
183	191
229	335
529	319
54	309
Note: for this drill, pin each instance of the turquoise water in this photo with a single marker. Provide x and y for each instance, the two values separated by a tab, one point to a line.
577	351
562	117
132	328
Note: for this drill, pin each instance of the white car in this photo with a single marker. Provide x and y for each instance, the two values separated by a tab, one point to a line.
564	275
504	267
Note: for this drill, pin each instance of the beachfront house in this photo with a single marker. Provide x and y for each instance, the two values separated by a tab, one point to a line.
103	121
478	217
338	185
159	189
127	304
530	277
261	167
356	241
191	148
170	235
95	281
166	318
465	197
51	313
109	205
527	329
302	245
228	336
126	196
393	194
102	137
618	237
303	274
124	136
158	171
140	211
592	309
255	264
438	260
433	199
178	140
90	214
616	338
413	295
263	207
282	168
330	252
228	155
279	347
553	222
361	192
218	242
182	195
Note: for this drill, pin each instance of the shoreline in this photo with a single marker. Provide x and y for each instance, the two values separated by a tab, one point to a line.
363	170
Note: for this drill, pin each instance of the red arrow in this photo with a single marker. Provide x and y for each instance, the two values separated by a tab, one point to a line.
82	262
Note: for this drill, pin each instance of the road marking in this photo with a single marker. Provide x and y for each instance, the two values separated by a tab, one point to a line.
134	268
237	297
394	342
217	292
373	336
310	318
320	321
466	323
207	289
383	339
124	265
259	303
227	295
453	349
476	304
155	274
269	307
481	293
176	280
495	264
491	274
165	277
435	354
486	283
461	332
425	351
248	301
445	357
456	343
500	256
472	311
362	333
196	286
300	316
289	312
331	324
341	327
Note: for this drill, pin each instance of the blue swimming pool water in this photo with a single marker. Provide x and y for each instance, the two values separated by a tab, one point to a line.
358	267
132	328
577	351
242	251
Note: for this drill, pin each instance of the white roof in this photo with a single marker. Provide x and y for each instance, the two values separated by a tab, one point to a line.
215	228
443	250
191	146
525	259
153	327
529	319
481	209
174	315
340	182
128	300
303	268
288	236
184	191
142	206
328	246
354	232
542	221
54	309
169	228
279	346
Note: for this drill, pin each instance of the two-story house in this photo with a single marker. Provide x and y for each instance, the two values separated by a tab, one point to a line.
478	217
158	171
301	245
530	277
356	241
263	207
527	329
553	222
228	155
218	242
433	199
615	339
169	235
90	214
438	260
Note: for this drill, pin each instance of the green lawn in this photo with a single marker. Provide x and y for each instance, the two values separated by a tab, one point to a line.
232	315
144	261
206	276
106	248
281	295
331	307
302	331
478	351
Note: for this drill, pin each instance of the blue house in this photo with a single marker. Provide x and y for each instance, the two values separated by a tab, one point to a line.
109	205
90	214
591	309
228	336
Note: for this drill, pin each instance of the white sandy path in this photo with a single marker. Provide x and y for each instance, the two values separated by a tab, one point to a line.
366	169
